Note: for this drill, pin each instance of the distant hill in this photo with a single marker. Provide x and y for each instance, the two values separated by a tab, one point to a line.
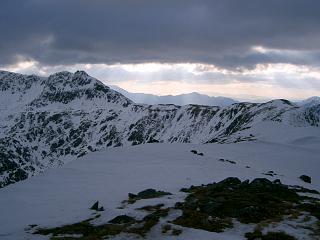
182	99
310	102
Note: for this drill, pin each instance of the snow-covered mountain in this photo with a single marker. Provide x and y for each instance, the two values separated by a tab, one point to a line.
181	99
309	102
46	122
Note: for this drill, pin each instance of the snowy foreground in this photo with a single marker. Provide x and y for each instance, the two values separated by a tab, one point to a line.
64	195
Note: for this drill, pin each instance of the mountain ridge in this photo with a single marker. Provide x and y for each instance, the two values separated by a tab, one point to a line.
50	121
181	99
309	102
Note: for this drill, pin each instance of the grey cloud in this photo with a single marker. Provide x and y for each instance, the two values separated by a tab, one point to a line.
220	32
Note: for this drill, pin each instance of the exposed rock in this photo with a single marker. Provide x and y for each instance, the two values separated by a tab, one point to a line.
101	209
230	181
194	151
257	235
305	178
146	194
261	182
131	195
122	219
151	208
210	207
95	206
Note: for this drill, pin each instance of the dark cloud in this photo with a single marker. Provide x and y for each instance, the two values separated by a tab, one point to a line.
220	32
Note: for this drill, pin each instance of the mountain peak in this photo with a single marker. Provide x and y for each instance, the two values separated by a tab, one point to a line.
81	73
280	102
72	80
182	99
79	90
309	102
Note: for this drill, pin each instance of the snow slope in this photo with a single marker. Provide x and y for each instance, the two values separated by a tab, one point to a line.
63	195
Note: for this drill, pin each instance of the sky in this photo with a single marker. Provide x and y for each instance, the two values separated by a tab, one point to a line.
251	49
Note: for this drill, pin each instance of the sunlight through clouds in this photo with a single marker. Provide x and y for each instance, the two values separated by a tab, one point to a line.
265	81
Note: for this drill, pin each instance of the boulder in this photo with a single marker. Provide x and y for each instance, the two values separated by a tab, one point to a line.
131	195
194	151
122	219
232	181
95	206
261	182
151	193
305	178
